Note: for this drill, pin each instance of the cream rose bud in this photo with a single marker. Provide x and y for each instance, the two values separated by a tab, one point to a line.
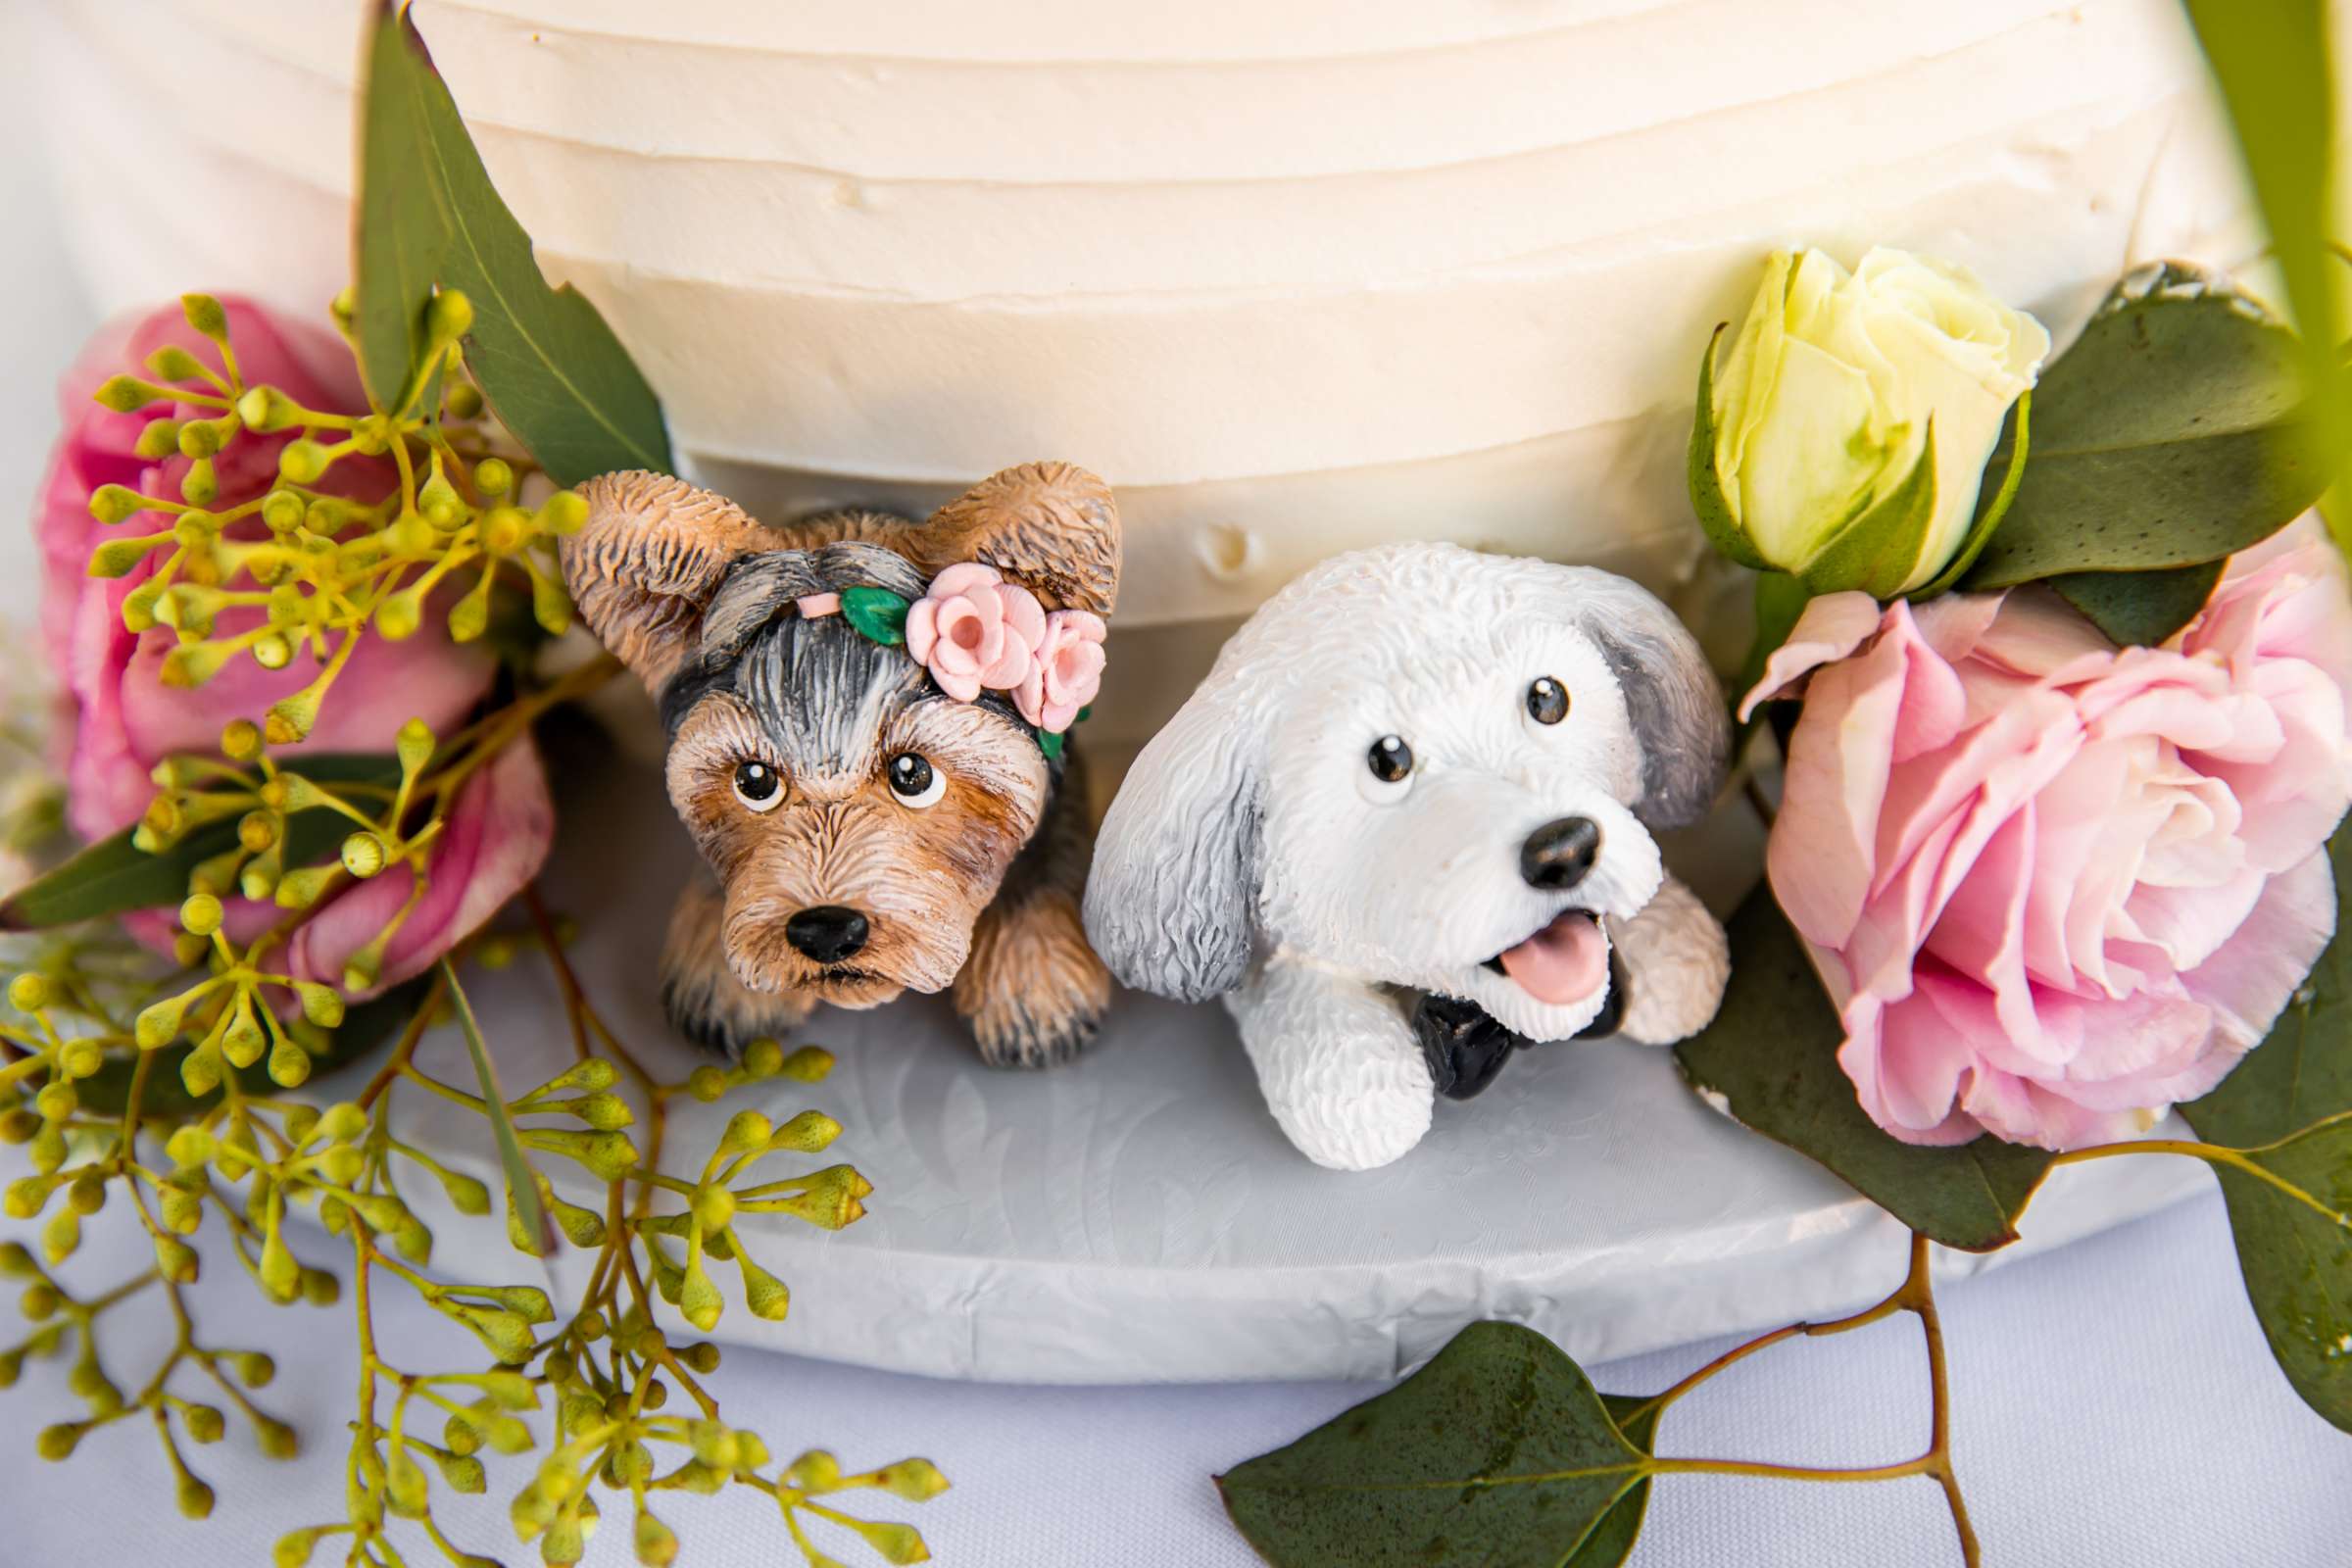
1844	436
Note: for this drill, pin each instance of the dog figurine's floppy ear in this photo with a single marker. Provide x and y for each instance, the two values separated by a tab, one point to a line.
1671	697
1170	899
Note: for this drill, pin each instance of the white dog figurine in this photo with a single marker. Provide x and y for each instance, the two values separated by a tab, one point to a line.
1404	826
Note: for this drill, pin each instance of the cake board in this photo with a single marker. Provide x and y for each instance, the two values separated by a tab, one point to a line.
1135	1217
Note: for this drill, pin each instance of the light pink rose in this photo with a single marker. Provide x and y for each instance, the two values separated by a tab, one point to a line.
1066	672
122	719
2055	887
973	630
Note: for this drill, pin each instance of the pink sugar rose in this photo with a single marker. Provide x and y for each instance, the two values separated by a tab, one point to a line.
1066	672
2056	887
973	630
121	719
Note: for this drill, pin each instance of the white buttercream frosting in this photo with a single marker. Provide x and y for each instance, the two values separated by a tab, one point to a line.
1296	276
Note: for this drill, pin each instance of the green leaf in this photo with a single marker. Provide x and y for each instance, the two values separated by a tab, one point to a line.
1612	1539
2140	606
2297	1264
1990	509
547	363
1879	550
2274	64
1772	1053
1050	742
2173	432
876	615
397	234
1497	1452
1707	499
523	1182
114	875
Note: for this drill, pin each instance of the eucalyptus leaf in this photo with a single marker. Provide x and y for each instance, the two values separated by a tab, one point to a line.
547	363
2297	1264
1772	1055
2173	432
2271	62
523	1182
2140	606
1498	1453
1612	1539
115	875
397	235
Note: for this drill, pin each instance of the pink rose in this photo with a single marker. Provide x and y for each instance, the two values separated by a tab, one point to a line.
2056	887
123	719
976	630
1066	672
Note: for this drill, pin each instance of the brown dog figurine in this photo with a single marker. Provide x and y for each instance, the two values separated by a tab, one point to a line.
866	723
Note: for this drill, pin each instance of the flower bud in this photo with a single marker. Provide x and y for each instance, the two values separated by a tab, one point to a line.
59	1441
28	991
295	1549
450	314
181	1211
87	1194
397	617
27	1195
200	915
713	1205
299	890
699	1356
303	462
656	1544
127	394
15	1262
816	1471
158	440
204	1422
747	1130
195	1498
39	1302
1843	437
204	317
18	1125
808	1066
200	1071
493	476
80	1058
119	557
808	1133
763	1293
465	399
363	854
563	511
61	1237
698	1300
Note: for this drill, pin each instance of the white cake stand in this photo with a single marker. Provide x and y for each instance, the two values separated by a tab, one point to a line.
1138	1217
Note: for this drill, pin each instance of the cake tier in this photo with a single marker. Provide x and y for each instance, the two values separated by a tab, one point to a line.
1296	276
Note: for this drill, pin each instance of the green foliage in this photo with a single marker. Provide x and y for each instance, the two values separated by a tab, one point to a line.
1772	1053
2173	432
2274	64
2297	1260
2140	606
549	367
1498	1447
523	1182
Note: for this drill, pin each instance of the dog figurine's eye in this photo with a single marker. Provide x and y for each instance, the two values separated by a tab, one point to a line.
914	781
1546	700
757	786
1389	759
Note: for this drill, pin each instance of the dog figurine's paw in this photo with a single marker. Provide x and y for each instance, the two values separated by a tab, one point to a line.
1033	991
701	994
1684	959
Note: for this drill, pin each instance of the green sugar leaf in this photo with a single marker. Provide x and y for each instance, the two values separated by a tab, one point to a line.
1497	1452
115	875
2171	433
547	363
876	615
2140	606
1772	1053
2297	1263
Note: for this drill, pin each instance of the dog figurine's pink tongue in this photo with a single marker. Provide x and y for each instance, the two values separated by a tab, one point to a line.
1566	962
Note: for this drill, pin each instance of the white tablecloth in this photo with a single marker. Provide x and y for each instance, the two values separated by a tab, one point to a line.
2114	1404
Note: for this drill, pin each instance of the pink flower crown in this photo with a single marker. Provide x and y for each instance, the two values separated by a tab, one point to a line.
974	632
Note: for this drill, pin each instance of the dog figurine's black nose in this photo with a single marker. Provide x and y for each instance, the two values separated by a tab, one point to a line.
828	933
1557	854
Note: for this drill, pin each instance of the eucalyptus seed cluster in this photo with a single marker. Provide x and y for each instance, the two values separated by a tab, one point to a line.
302	564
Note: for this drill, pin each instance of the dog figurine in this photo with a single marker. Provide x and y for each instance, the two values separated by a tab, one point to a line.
1404	826
866	719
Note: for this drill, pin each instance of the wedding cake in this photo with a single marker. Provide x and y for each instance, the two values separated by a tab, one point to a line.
1296	276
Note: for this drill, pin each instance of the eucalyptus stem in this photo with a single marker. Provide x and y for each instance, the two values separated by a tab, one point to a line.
1916	1294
